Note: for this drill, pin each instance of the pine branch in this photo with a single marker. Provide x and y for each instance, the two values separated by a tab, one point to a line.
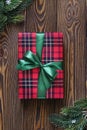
71	118
16	19
21	6
1	6
10	13
12	5
72	112
3	22
68	123
59	120
82	103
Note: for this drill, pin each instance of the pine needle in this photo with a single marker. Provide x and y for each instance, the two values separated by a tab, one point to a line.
71	118
11	12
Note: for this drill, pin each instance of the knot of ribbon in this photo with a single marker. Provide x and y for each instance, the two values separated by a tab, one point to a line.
47	72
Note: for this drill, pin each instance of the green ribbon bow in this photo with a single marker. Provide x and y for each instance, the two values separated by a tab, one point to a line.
47	72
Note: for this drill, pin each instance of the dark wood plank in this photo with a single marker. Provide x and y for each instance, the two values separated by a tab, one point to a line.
80	38
86	63
10	106
86	50
71	21
1	100
41	17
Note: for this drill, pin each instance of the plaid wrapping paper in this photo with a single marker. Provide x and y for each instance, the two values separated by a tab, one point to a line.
52	51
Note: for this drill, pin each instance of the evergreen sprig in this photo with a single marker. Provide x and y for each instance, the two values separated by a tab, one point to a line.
10	12
71	118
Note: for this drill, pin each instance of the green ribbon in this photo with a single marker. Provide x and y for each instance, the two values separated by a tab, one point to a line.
47	72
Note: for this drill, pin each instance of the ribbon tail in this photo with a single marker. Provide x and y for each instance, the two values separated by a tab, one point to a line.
41	85
46	77
44	82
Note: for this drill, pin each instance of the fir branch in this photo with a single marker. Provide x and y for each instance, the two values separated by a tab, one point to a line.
72	112
12	5
19	8
59	120
1	6
82	103
3	22
16	19
71	118
10	13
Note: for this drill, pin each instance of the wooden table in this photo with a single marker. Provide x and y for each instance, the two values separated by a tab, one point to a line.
67	16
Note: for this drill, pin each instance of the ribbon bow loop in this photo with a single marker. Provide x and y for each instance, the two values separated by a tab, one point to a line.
28	62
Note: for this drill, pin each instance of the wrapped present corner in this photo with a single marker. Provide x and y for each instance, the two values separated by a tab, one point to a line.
40	65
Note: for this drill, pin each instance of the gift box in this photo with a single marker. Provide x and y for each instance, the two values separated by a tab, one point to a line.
40	65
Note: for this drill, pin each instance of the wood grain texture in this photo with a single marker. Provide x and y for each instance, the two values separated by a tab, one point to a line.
1	101
11	107
43	19
71	21
86	50
67	16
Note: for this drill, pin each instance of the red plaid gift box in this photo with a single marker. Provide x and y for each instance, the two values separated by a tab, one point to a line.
52	51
